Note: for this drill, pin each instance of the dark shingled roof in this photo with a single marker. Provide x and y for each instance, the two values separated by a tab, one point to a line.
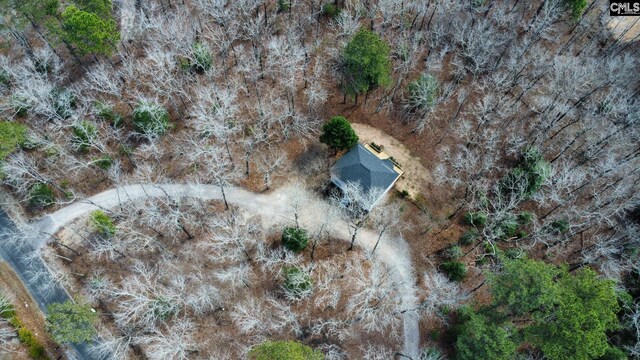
360	165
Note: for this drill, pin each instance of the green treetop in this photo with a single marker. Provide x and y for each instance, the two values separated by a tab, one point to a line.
577	8
567	316
366	63
338	134
12	135
101	8
71	322
88	33
284	350
479	338
574	325
524	286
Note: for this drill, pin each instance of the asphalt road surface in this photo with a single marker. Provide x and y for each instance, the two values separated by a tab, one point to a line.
26	265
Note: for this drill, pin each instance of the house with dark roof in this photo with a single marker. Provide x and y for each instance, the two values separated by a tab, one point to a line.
368	166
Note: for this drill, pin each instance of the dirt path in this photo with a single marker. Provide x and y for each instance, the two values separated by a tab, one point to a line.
415	175
273	208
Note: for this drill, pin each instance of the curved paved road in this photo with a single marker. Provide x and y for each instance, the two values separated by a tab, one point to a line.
24	264
272	207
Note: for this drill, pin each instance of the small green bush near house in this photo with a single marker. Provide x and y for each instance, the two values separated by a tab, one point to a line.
284	350
338	134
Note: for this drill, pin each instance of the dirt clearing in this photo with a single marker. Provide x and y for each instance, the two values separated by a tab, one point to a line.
415	175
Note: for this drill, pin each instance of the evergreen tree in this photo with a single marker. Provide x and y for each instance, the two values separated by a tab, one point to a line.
88	33
71	322
366	63
284	350
482	339
338	134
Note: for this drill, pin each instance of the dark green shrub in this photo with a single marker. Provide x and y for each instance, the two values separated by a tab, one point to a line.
50	7
297	284
284	350
560	226
527	178
284	5
42	66
15	322
5	78
508	227
525	218
476	218
432	353
64	102
36	351
202	58
7	311
482	260
294	238
454	252
20	106
151	118
403	194
84	134
468	237
106	113
41	195
103	162
331	10
338	134
164	308
613	353
577	8
102	223
514	253
455	270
